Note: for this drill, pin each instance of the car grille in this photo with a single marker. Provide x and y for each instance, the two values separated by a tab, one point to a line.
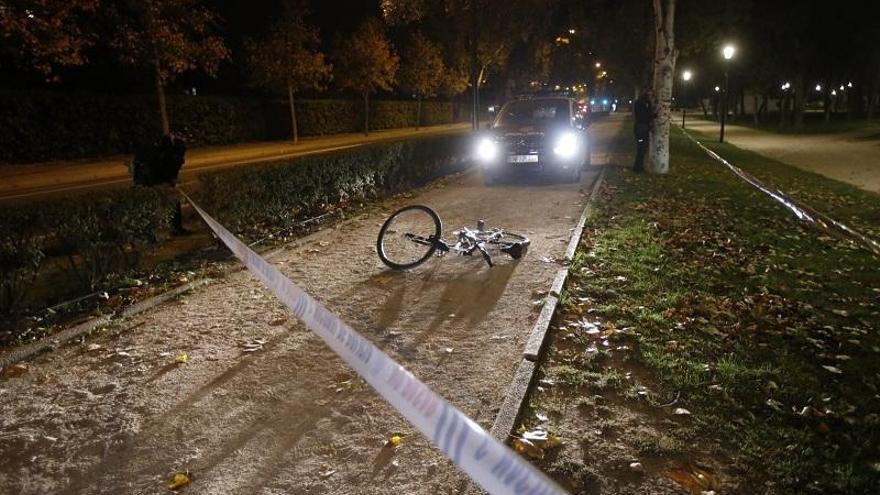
524	145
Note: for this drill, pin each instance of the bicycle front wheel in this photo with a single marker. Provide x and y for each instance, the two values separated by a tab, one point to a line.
514	245
409	237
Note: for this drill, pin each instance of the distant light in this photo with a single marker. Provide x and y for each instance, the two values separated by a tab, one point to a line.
833	92
786	85
841	87
687	75
849	84
717	89
556	87
592	102
571	31
604	102
630	102
818	87
598	65
492	108
728	52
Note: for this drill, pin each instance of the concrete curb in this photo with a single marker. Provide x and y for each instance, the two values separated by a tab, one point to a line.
66	335
516	392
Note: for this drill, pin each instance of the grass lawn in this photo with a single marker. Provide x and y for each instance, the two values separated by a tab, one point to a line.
708	341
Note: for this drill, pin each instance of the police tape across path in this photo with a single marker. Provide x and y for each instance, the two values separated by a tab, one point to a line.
492	465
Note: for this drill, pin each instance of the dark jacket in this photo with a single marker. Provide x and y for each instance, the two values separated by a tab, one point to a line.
644	115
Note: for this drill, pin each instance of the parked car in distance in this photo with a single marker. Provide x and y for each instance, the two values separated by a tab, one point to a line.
540	136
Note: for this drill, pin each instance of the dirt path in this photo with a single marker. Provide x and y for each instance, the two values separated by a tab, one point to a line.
117	415
851	157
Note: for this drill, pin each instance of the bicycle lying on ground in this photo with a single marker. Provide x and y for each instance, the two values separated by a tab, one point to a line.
413	233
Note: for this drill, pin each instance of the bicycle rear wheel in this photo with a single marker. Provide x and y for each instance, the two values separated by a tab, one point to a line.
409	237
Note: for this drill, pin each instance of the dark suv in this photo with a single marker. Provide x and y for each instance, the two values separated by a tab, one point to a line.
539	135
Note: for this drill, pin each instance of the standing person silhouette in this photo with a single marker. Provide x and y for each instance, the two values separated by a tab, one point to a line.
644	116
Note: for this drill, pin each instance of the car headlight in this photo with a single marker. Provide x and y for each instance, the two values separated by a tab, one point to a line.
487	149
566	145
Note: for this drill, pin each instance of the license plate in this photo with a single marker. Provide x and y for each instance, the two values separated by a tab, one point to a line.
522	159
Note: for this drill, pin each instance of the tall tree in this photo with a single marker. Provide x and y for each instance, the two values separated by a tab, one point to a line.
421	70
287	58
665	55
365	62
168	37
47	34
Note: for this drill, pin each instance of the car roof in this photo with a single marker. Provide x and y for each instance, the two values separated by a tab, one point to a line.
541	98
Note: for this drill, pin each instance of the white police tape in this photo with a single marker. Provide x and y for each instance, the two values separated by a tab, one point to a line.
491	464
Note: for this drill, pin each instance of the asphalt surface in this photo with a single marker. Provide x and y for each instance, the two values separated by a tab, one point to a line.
262	406
53	179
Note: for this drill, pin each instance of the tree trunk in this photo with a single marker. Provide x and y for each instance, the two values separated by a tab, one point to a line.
826	98
366	114
664	71
704	108
294	130
872	100
160	93
418	111
755	109
799	101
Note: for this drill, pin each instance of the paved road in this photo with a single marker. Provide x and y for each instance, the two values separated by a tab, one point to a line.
21	182
116	415
852	157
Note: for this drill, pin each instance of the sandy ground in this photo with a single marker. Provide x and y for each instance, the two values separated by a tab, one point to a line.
852	157
115	414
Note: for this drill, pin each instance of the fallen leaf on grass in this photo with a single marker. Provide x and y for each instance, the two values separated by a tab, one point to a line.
693	478
535	442
680	411
833	369
182	358
179	481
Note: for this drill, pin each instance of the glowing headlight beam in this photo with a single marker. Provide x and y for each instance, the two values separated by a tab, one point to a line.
487	149
566	145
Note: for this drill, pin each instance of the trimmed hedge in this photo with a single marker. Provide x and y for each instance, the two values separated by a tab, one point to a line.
257	200
96	237
92	238
42	126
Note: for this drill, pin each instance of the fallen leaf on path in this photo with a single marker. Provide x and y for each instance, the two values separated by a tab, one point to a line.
278	321
179	481
15	370
182	358
394	441
328	473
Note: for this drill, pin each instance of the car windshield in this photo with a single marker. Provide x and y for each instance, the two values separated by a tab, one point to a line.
534	113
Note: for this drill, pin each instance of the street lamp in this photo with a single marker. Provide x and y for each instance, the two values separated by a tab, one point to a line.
685	76
598	65
728	51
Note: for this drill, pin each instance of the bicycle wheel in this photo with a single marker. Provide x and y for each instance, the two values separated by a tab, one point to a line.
409	237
